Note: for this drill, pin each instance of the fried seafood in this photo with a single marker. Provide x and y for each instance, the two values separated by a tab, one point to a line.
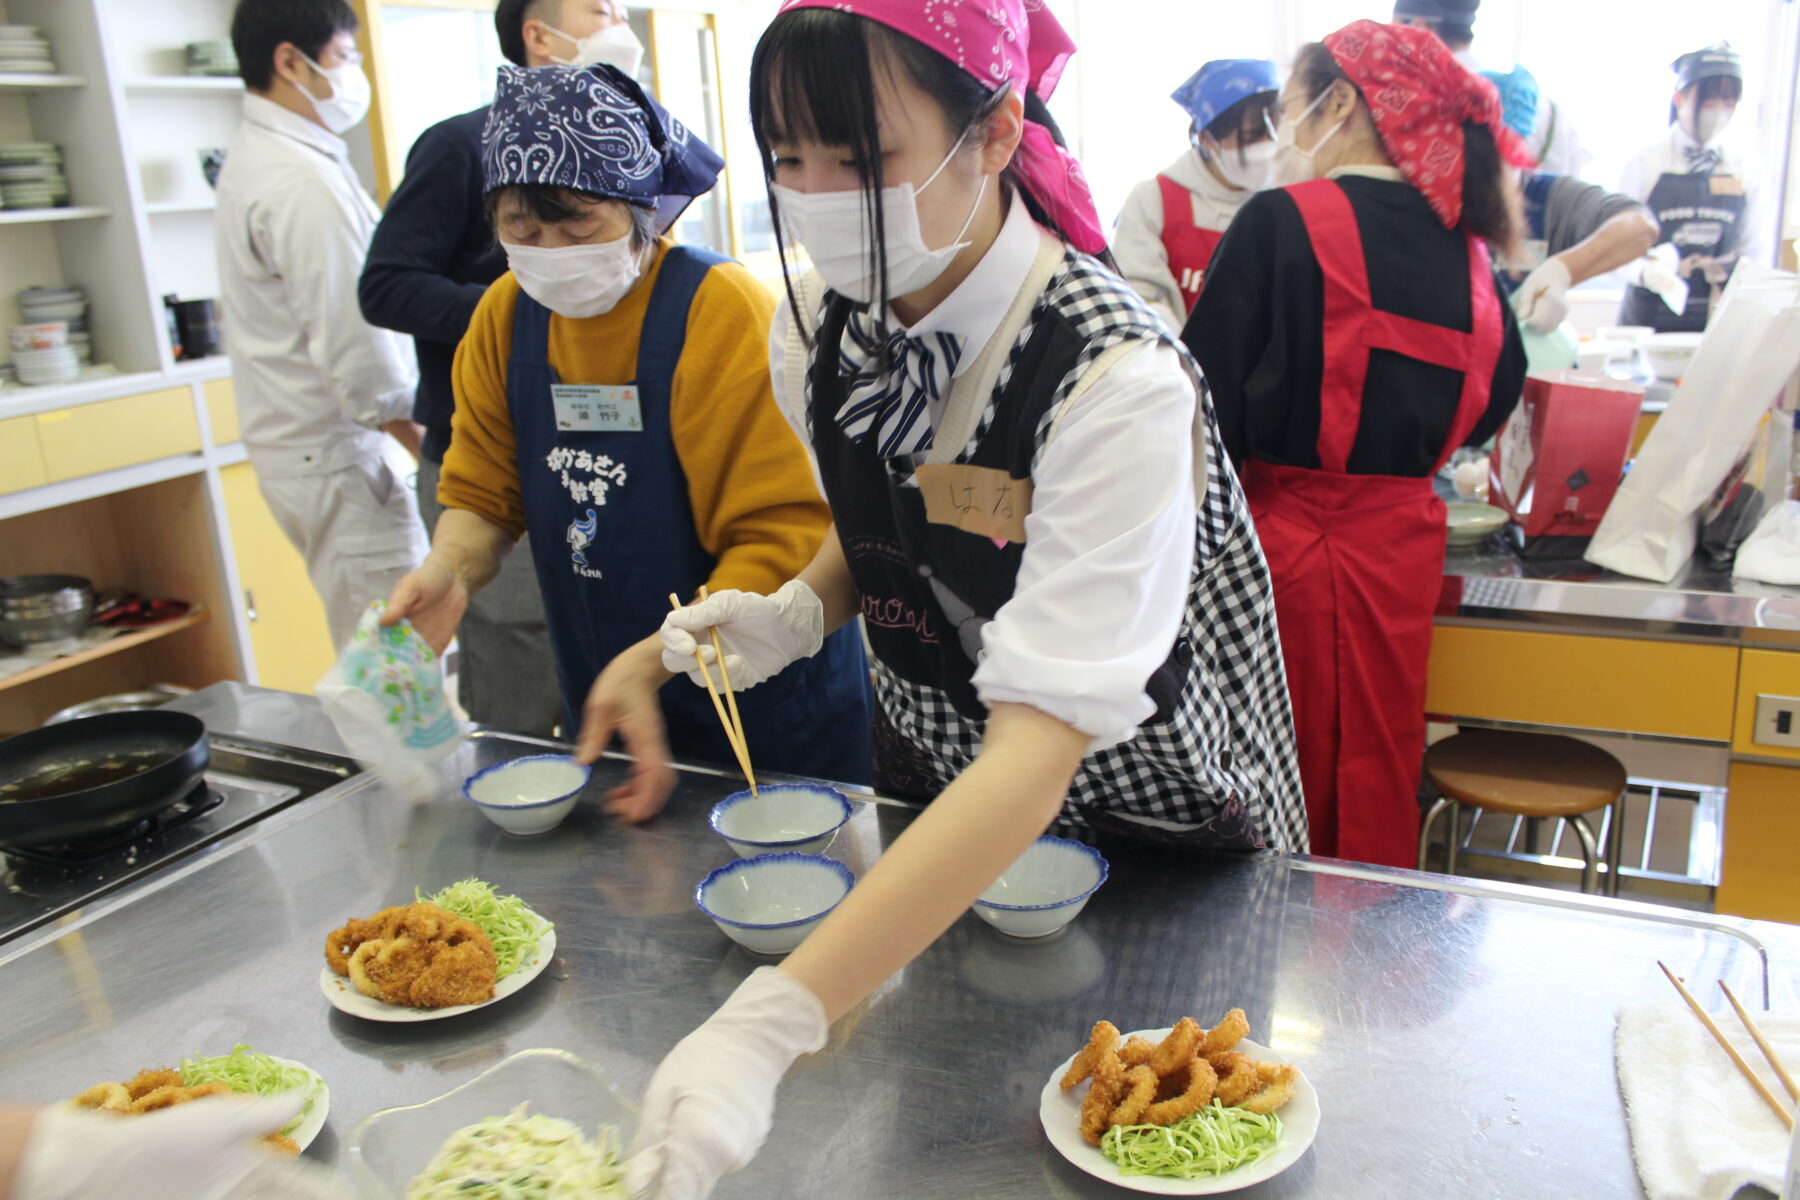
169	1097
105	1097
418	955
1103	1038
145	1082
1162	1083
1196	1095
1106	1082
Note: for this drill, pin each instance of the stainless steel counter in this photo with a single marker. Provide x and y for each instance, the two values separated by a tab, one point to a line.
1460	1038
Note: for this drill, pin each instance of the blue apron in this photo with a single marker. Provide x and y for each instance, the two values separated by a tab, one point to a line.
612	534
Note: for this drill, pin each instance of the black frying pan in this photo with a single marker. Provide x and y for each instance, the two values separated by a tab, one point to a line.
97	776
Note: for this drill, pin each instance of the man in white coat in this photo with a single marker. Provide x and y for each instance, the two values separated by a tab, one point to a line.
325	398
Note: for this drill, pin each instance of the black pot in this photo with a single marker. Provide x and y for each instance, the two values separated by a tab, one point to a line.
98	776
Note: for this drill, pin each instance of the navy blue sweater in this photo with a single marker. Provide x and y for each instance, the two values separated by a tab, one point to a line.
432	257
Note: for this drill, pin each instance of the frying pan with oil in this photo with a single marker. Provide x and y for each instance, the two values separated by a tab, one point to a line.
98	776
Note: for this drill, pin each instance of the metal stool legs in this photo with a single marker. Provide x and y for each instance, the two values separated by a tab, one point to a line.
1615	846
1431	817
1590	852
1590	847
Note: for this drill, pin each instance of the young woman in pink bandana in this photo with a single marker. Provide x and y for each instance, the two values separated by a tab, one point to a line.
1354	336
1071	620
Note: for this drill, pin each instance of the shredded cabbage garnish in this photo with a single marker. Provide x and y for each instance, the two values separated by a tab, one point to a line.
1210	1142
513	928
244	1070
520	1157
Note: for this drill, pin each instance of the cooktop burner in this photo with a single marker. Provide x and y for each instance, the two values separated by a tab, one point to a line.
246	782
191	807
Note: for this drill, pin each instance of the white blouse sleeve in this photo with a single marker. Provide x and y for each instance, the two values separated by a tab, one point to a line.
1143	259
1109	553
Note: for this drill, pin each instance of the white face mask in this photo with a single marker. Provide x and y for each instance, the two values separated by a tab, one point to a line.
1709	123
575	281
833	226
1292	164
349	99
615	46
1251	169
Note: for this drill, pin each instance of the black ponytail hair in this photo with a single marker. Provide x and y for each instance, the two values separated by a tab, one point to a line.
812	78
1492	203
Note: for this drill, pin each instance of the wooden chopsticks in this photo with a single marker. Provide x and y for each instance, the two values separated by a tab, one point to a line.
1762	1043
1762	1089
733	723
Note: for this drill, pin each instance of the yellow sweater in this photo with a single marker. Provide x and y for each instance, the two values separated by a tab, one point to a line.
756	508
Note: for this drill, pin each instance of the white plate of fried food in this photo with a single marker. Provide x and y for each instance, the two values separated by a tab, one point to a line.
164	1087
418	962
1186	1101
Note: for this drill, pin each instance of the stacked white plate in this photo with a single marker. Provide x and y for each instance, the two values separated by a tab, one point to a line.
24	52
35	368
214	56
31	175
66	304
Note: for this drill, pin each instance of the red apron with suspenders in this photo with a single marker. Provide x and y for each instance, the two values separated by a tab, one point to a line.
1358	560
1190	248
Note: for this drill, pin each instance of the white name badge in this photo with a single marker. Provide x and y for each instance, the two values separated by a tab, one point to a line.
596	408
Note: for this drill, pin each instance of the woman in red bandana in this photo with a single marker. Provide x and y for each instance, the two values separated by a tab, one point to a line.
1072	623
1353	336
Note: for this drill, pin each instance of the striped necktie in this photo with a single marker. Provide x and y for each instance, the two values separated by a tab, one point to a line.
1702	160
891	382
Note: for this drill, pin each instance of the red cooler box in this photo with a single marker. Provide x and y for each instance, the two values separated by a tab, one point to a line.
1559	459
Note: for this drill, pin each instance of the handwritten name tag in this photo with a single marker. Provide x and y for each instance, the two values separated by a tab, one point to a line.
595	408
984	501
1726	185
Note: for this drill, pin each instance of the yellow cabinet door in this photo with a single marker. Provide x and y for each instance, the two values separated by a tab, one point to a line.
288	635
222	413
21	461
91	438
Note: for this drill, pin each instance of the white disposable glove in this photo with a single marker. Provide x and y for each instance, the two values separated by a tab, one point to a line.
202	1150
712	1099
1542	301
1659	272
761	634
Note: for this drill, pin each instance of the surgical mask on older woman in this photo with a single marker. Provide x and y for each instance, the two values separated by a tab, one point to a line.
575	281
1292	164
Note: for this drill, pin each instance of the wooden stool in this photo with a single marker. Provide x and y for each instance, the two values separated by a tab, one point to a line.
1531	775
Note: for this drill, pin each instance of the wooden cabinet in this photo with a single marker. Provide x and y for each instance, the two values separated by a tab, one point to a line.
222	413
1762	836
289	641
21	459
93	438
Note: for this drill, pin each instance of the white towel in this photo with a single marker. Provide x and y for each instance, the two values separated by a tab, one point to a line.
1699	1131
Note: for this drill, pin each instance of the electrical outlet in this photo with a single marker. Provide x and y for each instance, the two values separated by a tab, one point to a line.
1778	721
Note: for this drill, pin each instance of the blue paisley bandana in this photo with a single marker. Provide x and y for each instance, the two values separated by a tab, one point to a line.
593	129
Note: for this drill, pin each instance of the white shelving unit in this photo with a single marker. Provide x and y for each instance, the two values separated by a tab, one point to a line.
42	216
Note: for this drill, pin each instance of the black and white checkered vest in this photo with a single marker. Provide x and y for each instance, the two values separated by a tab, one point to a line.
1215	765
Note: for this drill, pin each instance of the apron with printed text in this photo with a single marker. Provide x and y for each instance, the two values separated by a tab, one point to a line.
612	535
1189	247
1702	216
1357	559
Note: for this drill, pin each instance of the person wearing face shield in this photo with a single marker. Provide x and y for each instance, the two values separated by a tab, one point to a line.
612	405
1706	194
1574	230
1172	224
431	260
325	399
1354	336
1070	618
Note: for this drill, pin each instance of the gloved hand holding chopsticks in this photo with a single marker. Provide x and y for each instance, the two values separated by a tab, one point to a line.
761	634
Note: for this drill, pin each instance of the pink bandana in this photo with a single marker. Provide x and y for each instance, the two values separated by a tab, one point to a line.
1419	97
1000	42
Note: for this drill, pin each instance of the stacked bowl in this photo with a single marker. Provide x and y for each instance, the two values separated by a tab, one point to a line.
41	354
23	51
213	56
41	305
31	176
782	886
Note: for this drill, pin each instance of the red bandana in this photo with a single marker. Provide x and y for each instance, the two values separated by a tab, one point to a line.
1419	97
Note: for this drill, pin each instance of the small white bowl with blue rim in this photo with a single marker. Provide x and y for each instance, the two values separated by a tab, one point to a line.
778	818
768	904
1044	889
528	795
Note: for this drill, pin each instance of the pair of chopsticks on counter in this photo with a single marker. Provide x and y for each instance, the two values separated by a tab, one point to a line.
1756	1035
733	723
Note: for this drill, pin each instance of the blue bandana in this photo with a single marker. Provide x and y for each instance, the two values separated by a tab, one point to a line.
1222	83
1519	95
593	129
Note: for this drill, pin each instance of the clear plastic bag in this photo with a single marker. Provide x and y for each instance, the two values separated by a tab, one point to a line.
385	696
